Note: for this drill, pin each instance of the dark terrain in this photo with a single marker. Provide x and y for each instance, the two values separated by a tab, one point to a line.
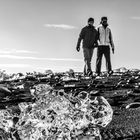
122	90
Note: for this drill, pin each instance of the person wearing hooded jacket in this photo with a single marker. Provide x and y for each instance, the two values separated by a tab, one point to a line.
89	36
105	41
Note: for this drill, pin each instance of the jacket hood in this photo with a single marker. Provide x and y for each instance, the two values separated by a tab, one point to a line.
105	25
90	26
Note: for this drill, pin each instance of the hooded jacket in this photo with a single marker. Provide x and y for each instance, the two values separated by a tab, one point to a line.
89	35
105	36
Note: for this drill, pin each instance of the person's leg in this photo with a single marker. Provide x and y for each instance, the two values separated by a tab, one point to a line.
85	68
99	60
108	60
91	53
90	59
86	59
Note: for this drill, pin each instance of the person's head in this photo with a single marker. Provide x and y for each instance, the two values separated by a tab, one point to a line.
91	21
104	21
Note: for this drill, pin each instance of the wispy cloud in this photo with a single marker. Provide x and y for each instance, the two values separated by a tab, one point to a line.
40	58
61	26
24	51
58	68
14	51
135	17
14	65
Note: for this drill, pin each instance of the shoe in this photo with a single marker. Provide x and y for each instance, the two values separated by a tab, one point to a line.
110	73
97	74
90	73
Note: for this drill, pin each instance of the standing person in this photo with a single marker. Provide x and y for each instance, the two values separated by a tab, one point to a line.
89	36
105	42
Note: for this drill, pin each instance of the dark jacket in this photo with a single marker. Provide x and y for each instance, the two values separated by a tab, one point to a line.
89	35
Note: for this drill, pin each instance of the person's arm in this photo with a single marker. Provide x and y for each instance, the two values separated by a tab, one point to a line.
81	36
97	37
111	41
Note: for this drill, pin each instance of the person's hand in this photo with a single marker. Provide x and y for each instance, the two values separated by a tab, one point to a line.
78	48
96	45
113	50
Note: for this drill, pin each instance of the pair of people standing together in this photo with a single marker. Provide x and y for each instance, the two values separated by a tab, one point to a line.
100	38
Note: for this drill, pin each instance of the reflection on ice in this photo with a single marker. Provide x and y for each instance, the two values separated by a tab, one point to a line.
57	115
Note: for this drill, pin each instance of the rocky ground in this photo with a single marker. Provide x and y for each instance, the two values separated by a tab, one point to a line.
122	91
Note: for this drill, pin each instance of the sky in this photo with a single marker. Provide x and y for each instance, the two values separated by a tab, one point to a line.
36	35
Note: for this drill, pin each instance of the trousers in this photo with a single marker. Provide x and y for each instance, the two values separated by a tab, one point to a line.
88	53
103	50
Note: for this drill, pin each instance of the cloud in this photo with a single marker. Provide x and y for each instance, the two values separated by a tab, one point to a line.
61	26
24	51
135	17
38	58
14	51
14	65
58	68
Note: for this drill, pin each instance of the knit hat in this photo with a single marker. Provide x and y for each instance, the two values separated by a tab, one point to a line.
102	18
91	19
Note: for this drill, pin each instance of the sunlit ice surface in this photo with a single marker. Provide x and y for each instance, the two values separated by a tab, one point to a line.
56	115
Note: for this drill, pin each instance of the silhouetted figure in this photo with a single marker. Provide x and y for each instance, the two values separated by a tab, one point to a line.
89	36
105	42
